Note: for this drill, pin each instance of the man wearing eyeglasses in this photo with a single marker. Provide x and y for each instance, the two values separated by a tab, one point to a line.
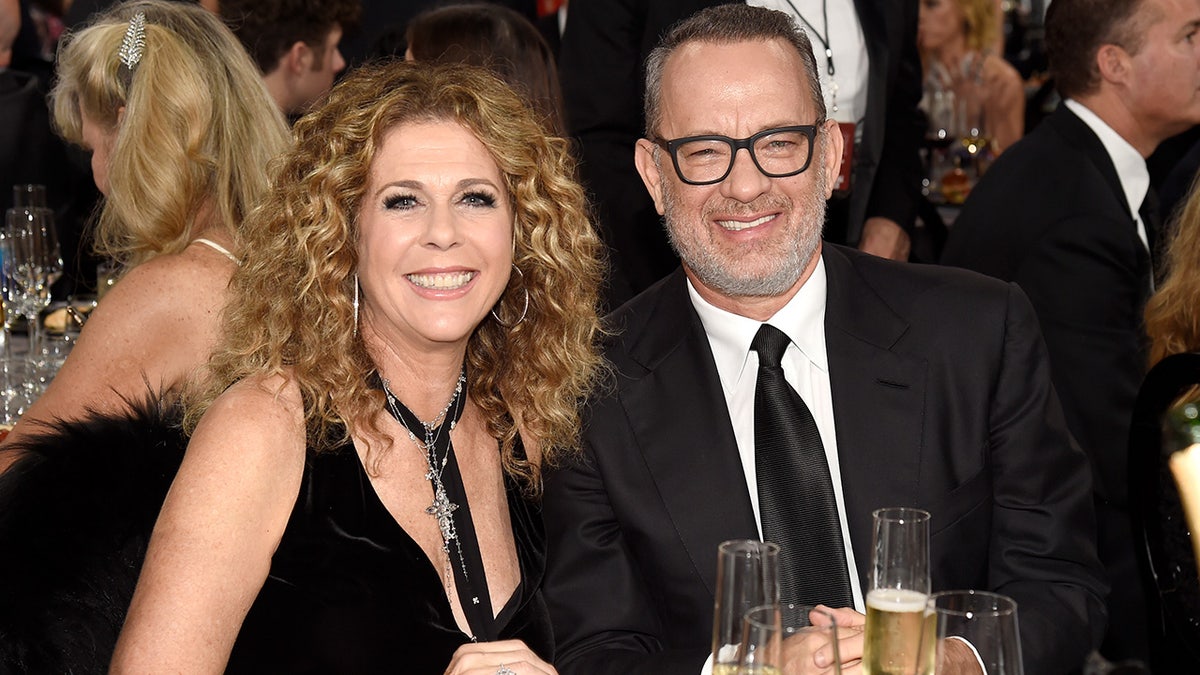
895	385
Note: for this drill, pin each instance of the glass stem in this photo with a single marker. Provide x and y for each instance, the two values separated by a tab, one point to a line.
35	336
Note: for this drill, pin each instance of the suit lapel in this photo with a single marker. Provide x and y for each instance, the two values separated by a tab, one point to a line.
1077	133
678	414
878	400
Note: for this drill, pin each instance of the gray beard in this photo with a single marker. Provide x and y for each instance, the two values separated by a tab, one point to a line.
726	279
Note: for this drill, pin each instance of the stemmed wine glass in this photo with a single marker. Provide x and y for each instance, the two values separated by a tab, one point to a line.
32	262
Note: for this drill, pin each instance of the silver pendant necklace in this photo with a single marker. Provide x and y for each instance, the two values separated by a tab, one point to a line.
442	508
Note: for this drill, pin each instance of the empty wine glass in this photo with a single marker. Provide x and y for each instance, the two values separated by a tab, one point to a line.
32	262
975	632
747	576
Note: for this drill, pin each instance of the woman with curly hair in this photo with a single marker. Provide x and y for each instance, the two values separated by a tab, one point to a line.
181	130
408	343
1172	317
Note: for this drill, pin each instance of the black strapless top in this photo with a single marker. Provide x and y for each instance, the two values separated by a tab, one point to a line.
350	591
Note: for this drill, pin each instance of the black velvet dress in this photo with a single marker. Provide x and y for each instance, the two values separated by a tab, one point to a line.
350	591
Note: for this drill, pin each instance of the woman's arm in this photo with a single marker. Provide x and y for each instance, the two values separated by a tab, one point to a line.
220	524
1005	103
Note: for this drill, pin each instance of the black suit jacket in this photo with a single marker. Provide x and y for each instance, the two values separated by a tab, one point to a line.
1051	216
604	47
941	400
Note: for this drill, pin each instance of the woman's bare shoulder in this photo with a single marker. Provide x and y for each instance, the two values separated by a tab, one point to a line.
998	72
268	407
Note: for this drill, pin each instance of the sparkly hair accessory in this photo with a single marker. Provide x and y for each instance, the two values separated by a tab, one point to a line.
133	43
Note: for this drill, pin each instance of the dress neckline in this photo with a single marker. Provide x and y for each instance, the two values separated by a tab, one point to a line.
483	625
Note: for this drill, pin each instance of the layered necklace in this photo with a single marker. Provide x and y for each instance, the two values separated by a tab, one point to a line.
434	443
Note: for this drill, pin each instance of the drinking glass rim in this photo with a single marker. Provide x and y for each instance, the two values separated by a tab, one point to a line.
901	514
747	546
1002	605
779	605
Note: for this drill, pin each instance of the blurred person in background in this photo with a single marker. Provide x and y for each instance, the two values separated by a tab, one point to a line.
180	142
496	38
295	44
1069	214
957	40
181	129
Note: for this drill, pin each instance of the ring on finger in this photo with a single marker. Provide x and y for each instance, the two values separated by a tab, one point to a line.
505	670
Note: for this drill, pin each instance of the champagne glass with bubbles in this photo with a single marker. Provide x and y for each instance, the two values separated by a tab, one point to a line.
899	587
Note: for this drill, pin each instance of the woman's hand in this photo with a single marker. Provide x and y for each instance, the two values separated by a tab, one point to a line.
506	657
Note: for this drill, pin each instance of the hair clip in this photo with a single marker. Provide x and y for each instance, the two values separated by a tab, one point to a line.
133	43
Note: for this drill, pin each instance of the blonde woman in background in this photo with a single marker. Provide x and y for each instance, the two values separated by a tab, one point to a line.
180	141
957	39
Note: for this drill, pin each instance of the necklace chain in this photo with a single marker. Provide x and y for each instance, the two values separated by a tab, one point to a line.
442	508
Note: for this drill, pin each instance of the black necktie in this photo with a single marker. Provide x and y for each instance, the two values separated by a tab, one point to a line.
1150	220
795	493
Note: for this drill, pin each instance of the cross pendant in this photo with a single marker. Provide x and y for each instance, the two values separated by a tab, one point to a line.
442	509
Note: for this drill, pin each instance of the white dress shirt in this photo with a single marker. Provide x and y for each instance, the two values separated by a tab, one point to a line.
847	43
1130	165
806	369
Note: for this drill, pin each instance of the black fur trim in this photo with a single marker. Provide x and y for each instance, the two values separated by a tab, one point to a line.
76	512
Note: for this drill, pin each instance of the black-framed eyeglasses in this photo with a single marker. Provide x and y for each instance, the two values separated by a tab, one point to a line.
778	153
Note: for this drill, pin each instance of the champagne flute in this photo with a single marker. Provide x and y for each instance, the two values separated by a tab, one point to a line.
785	634
747	576
974	628
32	263
899	587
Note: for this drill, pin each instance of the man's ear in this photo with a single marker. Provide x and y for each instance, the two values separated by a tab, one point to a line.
643	159
1113	63
832	164
298	59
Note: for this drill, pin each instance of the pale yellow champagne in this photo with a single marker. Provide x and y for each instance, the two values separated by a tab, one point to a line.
893	645
735	669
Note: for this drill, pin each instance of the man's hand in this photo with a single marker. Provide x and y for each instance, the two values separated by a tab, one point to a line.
816	656
884	238
958	658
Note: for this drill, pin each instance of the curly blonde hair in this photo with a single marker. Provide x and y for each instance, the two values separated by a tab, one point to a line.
195	126
1172	315
292	314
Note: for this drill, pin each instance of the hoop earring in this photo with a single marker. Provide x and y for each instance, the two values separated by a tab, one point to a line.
524	310
356	304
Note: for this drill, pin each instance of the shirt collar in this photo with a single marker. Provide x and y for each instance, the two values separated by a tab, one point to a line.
802	319
1129	163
